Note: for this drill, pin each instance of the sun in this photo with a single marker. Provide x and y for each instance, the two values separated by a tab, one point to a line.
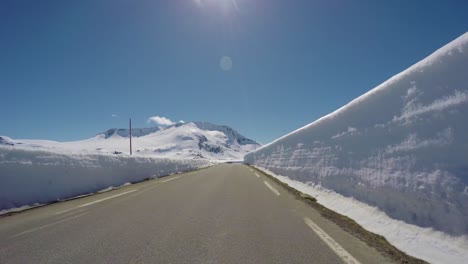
224	4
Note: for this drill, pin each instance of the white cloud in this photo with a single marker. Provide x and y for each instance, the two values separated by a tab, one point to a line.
115	115
160	120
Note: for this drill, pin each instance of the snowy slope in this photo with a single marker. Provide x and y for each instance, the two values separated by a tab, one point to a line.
401	147
179	141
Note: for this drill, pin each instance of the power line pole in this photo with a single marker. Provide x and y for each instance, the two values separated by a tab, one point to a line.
130	125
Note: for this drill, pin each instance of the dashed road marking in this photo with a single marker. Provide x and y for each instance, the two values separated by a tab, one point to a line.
256	174
170	179
139	193
97	201
271	188
72	213
337	248
48	225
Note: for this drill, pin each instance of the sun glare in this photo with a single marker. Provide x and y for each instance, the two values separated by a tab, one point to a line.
226	5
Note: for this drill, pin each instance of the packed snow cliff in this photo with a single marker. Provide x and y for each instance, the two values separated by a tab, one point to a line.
29	177
402	146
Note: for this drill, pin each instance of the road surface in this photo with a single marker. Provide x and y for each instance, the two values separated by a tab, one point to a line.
222	214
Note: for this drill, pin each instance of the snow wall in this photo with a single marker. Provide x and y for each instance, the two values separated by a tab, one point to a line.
402	147
29	176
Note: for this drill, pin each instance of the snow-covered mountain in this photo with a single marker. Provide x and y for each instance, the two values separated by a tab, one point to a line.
6	141
402	146
180	141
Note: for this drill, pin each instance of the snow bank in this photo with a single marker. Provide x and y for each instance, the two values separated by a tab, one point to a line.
30	176
401	147
424	243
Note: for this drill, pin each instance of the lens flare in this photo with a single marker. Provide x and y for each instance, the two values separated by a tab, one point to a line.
225	63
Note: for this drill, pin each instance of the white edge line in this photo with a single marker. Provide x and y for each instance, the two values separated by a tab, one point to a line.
337	248
170	179
271	188
97	201
45	226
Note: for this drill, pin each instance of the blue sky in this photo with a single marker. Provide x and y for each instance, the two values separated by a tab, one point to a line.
66	67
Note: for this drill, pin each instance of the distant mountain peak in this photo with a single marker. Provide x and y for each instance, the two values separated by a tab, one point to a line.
6	141
195	139
124	132
233	135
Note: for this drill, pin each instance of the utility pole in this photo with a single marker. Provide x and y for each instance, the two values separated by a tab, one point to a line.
130	124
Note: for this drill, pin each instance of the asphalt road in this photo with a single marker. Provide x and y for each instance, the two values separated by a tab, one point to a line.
223	214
